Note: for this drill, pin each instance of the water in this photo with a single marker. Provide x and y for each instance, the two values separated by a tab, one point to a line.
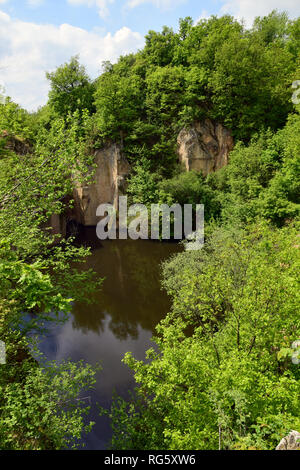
127	308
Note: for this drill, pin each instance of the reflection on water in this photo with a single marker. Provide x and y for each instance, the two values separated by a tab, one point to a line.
123	317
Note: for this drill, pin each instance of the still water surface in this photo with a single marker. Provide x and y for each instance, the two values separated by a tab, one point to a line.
127	308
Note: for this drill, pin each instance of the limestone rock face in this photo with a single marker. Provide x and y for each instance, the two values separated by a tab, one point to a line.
109	184
15	144
290	442
205	146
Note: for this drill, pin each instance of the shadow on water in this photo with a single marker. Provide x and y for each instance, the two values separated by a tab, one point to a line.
122	318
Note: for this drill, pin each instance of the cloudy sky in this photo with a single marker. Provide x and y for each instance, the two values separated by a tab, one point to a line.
38	35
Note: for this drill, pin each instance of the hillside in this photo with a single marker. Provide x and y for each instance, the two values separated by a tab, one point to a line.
203	115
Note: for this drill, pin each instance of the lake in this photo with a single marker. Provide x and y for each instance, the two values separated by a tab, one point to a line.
122	318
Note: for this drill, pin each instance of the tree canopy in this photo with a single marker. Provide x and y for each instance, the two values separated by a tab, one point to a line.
221	374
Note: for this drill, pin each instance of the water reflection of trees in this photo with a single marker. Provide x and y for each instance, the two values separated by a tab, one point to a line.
131	295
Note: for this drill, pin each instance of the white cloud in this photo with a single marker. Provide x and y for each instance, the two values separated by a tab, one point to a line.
35	3
31	3
27	50
204	16
102	5
162	4
249	9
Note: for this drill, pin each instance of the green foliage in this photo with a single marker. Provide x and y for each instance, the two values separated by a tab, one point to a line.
190	188
39	408
71	88
142	187
262	179
294	37
164	94
33	187
271	28
15	121
215	69
250	89
27	286
159	47
217	373
281	200
118	100
221	374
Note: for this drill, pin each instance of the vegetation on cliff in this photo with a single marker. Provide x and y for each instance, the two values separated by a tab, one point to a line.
39	405
222	374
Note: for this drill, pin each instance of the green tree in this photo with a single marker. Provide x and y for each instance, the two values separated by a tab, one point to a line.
71	88
250	89
271	28
119	101
39	406
15	121
159	48
222	376
143	184
262	178
190	188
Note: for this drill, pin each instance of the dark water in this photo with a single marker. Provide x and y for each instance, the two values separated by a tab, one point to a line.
128	307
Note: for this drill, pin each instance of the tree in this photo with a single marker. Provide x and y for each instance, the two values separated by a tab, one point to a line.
39	406
280	201
190	188
221	374
143	184
159	47
262	178
250	90
71	88
15	121
119	101
271	28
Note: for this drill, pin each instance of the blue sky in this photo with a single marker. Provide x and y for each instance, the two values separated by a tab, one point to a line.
142	17
38	35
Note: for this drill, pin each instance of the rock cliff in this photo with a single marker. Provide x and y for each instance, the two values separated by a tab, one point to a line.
205	146
15	144
290	442
109	183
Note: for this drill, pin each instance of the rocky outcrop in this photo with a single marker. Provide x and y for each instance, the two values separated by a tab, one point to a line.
109	183
205	146
15	144
290	442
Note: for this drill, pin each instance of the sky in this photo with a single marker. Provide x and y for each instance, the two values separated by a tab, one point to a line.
39	35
